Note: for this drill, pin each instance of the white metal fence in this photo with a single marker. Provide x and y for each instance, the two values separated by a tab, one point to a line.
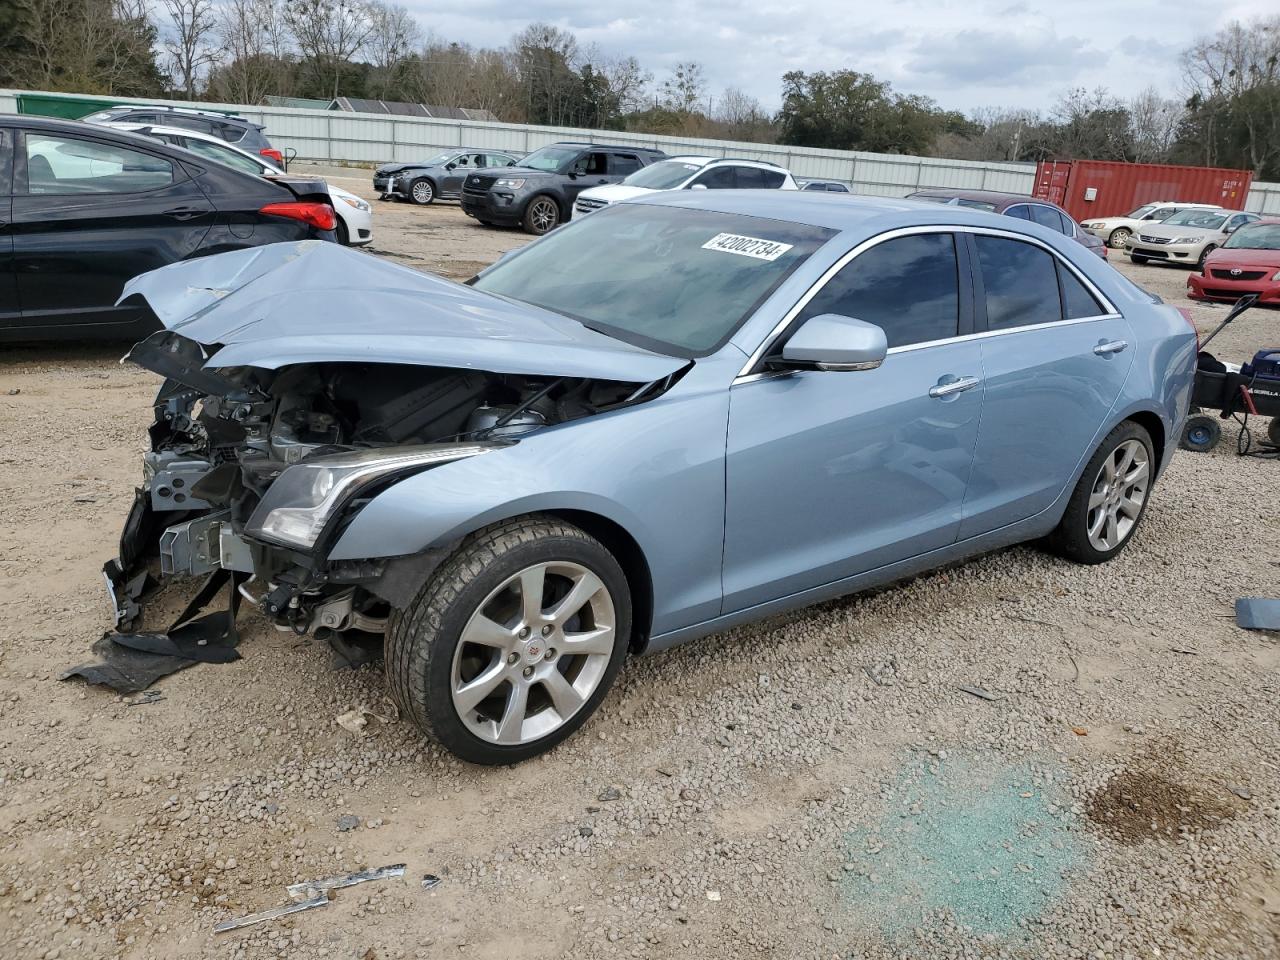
365	138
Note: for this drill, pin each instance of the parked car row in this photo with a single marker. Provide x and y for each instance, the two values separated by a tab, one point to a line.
1188	236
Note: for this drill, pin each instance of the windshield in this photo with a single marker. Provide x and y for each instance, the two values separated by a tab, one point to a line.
666	175
669	279
550	159
1201	219
439	160
1141	212
1256	236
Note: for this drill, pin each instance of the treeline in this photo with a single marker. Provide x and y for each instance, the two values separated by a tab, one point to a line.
1227	112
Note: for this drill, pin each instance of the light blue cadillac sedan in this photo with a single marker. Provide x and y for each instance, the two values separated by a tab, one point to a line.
676	415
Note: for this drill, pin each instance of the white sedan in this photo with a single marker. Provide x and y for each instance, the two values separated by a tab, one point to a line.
355	216
688	173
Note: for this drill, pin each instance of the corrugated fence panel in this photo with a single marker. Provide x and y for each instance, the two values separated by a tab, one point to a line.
341	137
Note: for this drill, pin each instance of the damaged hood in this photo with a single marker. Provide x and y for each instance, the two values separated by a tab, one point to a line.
312	301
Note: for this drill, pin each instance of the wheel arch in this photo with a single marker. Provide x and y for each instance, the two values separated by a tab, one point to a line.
1151	422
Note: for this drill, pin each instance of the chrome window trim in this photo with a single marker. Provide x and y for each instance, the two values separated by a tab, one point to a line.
758	354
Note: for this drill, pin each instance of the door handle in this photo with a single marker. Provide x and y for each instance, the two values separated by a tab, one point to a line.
1110	346
185	213
958	385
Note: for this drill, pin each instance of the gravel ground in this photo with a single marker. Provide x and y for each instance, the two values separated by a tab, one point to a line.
818	785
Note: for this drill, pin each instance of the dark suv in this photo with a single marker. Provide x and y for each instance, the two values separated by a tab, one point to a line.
539	193
243	133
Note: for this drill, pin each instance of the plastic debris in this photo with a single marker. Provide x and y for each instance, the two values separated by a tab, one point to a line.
429	881
713	896
1257	613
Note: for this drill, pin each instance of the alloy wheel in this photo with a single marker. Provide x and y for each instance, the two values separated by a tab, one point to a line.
533	653
1119	492
422	192
543	215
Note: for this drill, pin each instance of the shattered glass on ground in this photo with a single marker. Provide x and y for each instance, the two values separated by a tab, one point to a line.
967	840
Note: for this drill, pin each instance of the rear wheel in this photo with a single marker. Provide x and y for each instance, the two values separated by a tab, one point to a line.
1202	432
1119	236
541	216
1110	498
422	192
514	641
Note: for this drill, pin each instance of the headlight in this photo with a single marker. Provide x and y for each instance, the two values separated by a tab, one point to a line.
355	202
1276	278
297	507
1095	226
1187	240
508	182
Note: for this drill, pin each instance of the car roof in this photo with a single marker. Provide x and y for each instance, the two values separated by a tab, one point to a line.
189	135
847	212
606	146
1000	200
192	111
54	125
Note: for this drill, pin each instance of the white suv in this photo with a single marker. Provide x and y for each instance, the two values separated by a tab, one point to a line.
688	173
1116	231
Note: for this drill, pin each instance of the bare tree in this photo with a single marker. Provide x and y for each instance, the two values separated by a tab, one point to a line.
684	89
255	51
742	117
329	33
393	37
190	29
1155	121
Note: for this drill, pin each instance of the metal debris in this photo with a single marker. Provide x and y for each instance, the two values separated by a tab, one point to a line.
429	881
148	696
273	914
310	888
312	894
980	693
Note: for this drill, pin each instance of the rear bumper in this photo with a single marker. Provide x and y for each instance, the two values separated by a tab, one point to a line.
492	207
1213	288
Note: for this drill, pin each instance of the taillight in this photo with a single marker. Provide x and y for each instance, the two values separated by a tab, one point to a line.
273	154
1186	315
319	215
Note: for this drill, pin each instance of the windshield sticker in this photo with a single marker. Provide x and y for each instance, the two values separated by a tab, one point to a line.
752	247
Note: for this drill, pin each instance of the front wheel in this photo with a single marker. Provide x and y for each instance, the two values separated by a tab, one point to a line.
541	216
514	641
1204	255
1119	237
1109	499
1202	432
422	192
1138	258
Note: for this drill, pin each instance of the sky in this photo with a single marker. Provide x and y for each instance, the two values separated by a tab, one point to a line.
965	55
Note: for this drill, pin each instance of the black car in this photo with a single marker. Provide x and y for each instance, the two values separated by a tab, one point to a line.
84	208
538	193
245	134
437	178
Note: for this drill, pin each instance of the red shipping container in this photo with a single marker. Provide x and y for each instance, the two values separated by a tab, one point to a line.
1089	189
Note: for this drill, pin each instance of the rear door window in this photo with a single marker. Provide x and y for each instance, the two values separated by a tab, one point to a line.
1021	282
1047	217
757	178
622	164
718	178
908	286
66	165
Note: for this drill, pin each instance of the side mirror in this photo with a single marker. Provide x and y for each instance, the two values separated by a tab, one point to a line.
697	186
832	342
450	166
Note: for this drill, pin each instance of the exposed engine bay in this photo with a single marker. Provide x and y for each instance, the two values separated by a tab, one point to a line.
255	472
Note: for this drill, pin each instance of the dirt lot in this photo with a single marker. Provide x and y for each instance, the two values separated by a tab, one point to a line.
818	785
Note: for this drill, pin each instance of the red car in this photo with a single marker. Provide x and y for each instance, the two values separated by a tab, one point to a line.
1248	262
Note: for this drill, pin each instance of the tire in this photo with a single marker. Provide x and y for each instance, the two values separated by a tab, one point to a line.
344	235
1118	237
436	669
542	215
1273	431
422	191
1138	258
1073	538
1201	433
1204	255
484	223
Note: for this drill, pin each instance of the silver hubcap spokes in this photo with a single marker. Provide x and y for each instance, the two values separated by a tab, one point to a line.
1119	491
1119	237
534	653
544	215
422	192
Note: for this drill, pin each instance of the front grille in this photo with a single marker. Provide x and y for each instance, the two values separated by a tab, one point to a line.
381	183
1145	239
477	185
1239	275
587	204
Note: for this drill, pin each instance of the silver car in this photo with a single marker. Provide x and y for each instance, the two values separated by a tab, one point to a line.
436	178
1188	236
677	415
